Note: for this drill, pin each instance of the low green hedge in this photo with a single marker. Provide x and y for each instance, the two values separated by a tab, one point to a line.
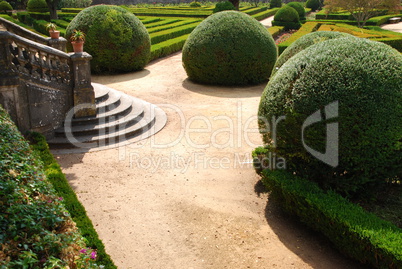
61	23
276	30
305	29
150	20
160	23
171	26
355	232
255	10
265	14
77	211
168	47
72	10
172	33
396	43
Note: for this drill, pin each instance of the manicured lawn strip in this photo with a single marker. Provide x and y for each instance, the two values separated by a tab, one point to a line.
161	23
172	26
265	14
168	47
172	33
76	209
355	232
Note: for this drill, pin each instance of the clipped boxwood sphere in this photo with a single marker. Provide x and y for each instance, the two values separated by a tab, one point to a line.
4	6
365	78
229	48
313	4
287	14
275	3
299	8
303	43
116	38
195	4
221	6
37	6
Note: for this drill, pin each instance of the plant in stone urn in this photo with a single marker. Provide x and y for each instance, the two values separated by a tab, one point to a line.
77	40
51	27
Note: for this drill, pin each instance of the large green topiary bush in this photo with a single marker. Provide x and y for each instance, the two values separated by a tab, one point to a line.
5	6
288	17
229	48
275	3
313	4
299	8
37	6
365	78
223	5
116	38
303	43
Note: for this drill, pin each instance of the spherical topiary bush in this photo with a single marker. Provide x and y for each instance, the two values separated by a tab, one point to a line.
303	43
342	99
37	6
275	3
116	38
299	8
195	4
229	48
313	4
5	6
221	6
288	17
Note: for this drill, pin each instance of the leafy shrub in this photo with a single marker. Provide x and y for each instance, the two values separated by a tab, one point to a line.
37	6
288	17
221	6
229	48
5	6
358	234
195	4
275	3
116	38
299	8
75	3
36	231
303	43
313	4
364	77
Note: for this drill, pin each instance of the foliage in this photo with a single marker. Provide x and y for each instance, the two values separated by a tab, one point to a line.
313	4
124	44
265	14
299	8
288	17
173	33
275	3
223	5
303	43
362	10
195	4
37	6
306	28
368	89
355	232
63	189
229	48
36	231
5	6
75	3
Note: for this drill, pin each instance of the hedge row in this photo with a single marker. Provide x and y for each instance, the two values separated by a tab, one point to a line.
168	47
147	20
255	10
276	30
77	211
170	13
265	14
308	27
160	23
355	232
18	22
171	26
172	33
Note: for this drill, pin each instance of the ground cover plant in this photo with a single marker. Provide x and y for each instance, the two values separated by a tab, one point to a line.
229	48
36	229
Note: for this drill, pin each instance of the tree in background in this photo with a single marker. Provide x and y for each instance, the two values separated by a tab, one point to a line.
235	3
52	4
362	10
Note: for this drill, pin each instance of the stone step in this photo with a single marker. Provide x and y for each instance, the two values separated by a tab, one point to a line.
125	120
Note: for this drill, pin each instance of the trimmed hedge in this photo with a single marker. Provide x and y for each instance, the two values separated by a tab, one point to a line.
265	14
303	43
168	47
299	8
75	208
224	5
229	48
171	26
368	89
172	33
195	4
275	31
313	4
5	6
275	3
308	27
116	39
37	6
287	17
358	234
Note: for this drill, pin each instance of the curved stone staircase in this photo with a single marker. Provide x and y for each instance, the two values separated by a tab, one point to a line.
120	120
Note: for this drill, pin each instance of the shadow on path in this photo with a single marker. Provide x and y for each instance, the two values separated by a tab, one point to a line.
312	247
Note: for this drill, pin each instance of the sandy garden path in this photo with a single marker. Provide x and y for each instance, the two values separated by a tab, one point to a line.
188	197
